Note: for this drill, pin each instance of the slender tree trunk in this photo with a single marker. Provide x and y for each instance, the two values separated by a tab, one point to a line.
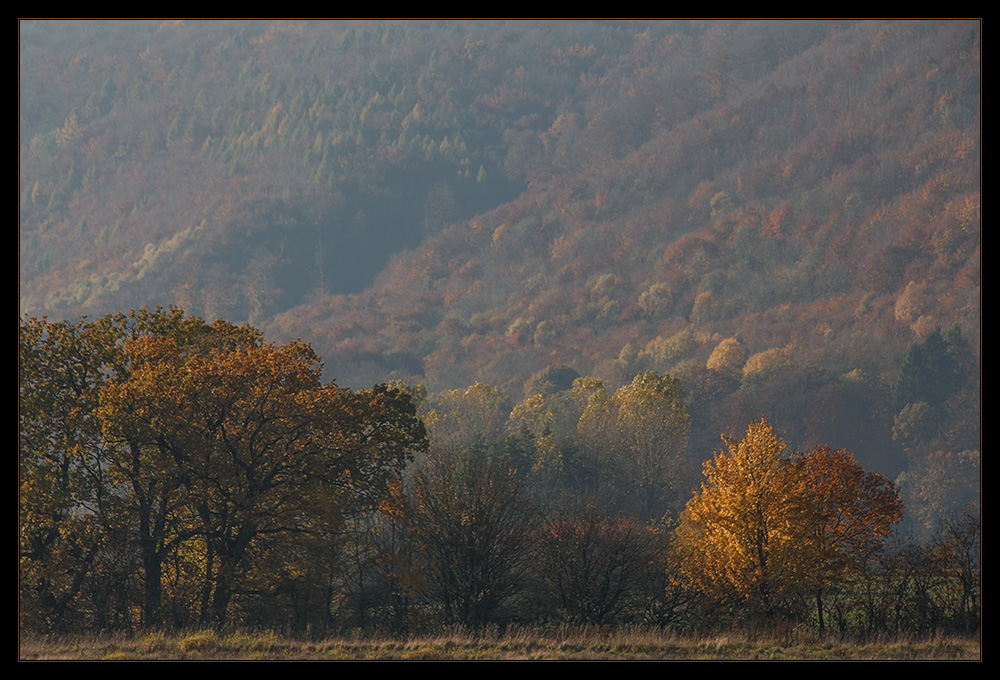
819	609
153	587
206	589
151	567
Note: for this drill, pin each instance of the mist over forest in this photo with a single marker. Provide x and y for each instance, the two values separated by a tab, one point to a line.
766	219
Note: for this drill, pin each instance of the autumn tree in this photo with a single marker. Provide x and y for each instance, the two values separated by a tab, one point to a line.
63	491
148	415
68	467
460	416
850	514
197	446
254	447
766	526
738	537
728	358
593	563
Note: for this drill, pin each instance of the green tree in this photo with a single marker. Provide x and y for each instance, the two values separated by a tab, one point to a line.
640	436
63	493
934	369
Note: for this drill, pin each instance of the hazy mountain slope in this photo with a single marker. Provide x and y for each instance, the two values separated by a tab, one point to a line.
783	215
240	167
792	198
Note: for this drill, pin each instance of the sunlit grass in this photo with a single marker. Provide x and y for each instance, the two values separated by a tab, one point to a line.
577	643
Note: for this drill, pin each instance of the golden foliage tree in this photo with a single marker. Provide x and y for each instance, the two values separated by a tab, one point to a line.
766	526
728	358
739	536
460	416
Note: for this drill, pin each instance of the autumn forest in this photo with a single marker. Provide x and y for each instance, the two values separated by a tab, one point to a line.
386	327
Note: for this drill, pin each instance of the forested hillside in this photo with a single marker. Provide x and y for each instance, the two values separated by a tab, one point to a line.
582	249
448	203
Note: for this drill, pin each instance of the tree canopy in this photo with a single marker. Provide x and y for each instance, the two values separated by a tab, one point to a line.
197	445
467	529
639	435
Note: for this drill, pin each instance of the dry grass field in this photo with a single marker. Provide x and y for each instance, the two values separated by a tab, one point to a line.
579	644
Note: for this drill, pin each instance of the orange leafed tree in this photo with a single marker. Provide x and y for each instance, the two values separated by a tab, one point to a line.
225	447
766	526
851	512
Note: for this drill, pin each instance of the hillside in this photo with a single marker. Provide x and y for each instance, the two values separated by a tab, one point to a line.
783	215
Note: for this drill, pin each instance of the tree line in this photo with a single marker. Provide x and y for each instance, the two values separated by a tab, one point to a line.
176	473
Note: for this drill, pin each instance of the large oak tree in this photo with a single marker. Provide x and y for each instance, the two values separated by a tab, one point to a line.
197	445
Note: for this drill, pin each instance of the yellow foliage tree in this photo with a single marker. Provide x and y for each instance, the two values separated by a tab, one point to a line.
740	536
460	416
766	362
766	526
728	358
532	414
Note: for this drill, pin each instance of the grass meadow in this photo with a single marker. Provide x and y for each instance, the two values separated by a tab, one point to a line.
560	644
